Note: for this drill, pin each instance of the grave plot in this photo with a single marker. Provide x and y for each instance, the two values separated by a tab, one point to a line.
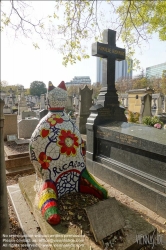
76	224
17	156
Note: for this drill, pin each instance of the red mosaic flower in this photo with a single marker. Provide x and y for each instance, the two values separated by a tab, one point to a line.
54	119
44	132
68	142
44	160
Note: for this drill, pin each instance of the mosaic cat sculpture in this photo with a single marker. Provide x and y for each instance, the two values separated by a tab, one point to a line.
57	155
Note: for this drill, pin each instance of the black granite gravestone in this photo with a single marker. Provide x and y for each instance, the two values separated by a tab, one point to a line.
107	106
130	157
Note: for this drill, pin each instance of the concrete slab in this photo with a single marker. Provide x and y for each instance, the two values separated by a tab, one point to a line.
17	162
19	170
22	141
16	155
135	225
26	219
105	218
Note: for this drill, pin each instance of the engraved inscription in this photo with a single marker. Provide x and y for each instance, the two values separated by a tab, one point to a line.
104	134
111	51
127	139
104	113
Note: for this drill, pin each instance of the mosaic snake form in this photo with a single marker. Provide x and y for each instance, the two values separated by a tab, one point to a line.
56	151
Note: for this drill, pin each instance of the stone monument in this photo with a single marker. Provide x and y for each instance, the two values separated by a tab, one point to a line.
85	103
69	104
22	105
42	102
11	98
130	157
57	155
158	104
135	97
146	102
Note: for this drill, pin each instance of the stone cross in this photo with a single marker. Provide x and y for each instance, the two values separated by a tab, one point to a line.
11	98
110	53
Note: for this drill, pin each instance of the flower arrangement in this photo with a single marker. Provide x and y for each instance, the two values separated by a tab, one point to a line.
157	125
152	121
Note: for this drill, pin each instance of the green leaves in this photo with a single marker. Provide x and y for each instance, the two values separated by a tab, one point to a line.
76	23
37	88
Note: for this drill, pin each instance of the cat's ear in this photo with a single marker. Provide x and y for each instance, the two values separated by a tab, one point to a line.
62	86
50	86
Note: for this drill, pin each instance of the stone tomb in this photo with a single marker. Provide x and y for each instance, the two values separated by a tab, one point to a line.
17	157
26	127
10	125
146	101
130	157
136	99
28	114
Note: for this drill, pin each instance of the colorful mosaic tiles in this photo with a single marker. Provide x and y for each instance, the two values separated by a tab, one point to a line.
57	153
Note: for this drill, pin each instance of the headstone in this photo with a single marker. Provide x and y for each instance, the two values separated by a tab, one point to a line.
107	107
42	102
124	100
130	157
10	125
158	104
69	105
146	101
26	127
22	105
43	113
85	100
28	114
76	103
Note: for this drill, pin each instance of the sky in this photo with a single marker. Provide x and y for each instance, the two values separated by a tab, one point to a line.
22	64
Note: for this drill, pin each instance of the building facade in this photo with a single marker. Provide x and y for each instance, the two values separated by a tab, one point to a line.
156	70
121	70
78	80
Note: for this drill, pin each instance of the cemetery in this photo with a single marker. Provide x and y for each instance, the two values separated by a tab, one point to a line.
95	180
